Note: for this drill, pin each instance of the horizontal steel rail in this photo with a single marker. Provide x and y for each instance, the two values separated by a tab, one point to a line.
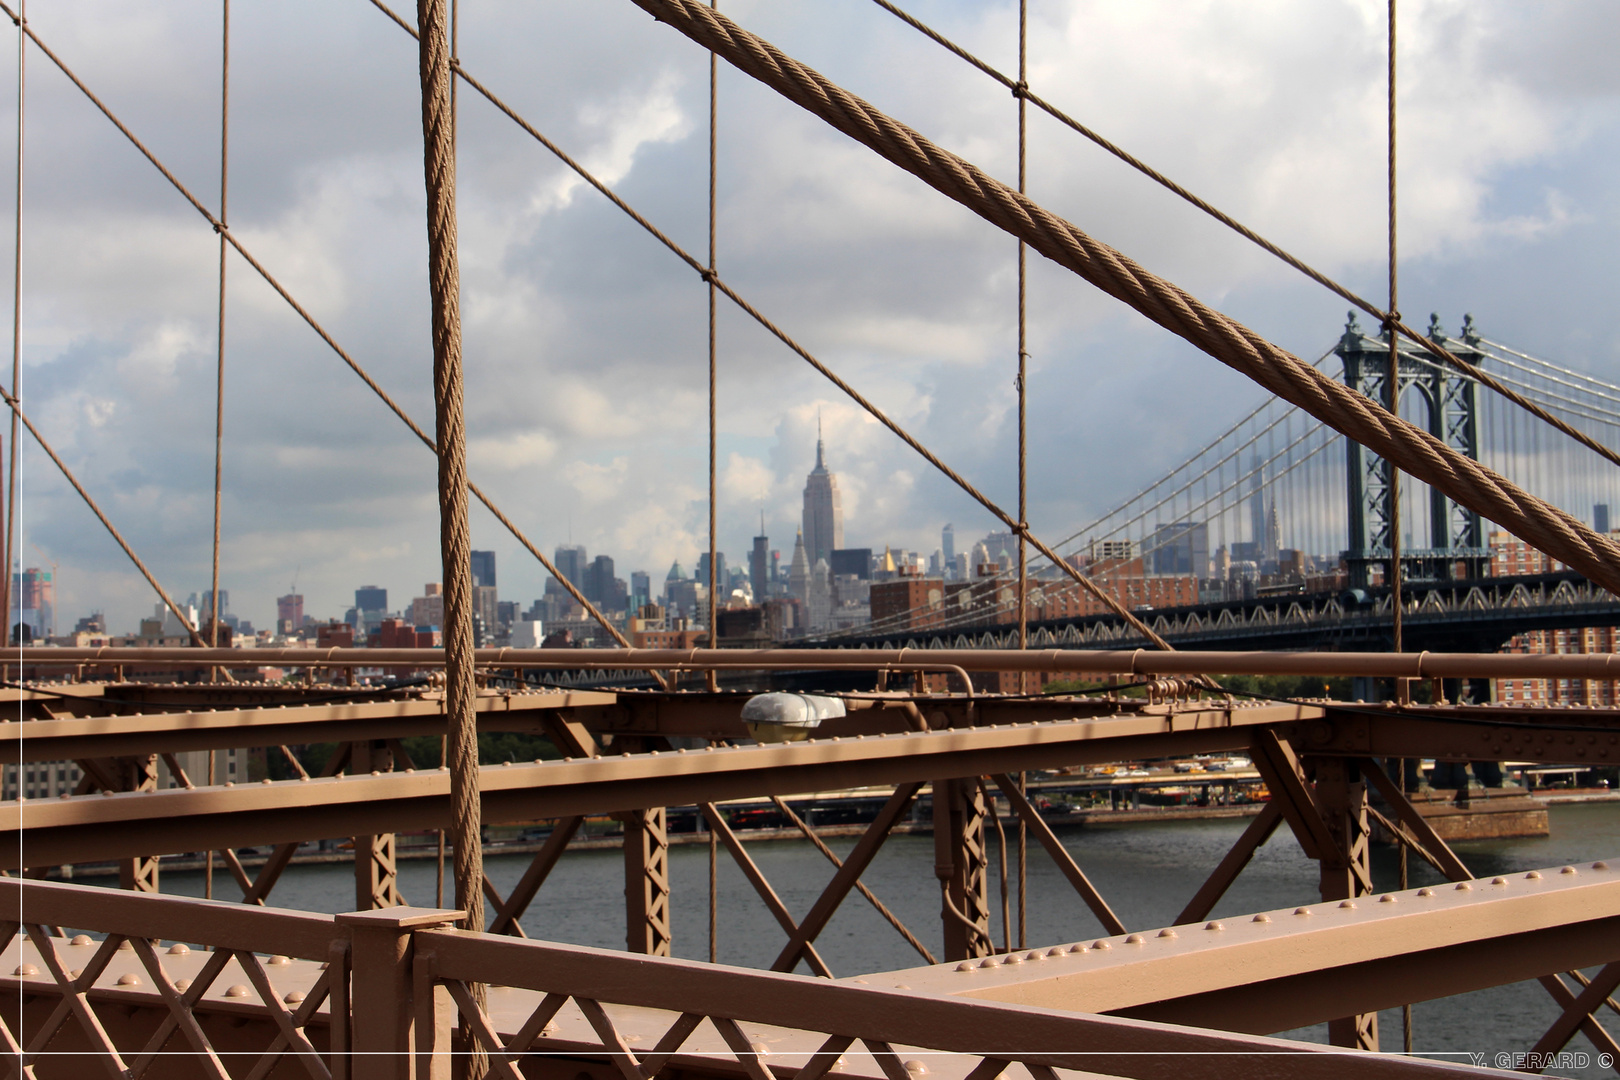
1135	662
115	825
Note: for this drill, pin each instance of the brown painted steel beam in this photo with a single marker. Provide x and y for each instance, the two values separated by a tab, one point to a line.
100	827
1137	662
1297	966
172	732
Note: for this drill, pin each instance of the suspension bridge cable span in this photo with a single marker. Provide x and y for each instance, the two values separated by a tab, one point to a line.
1020	89
1543	526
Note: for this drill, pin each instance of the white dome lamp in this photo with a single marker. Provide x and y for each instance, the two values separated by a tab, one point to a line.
779	718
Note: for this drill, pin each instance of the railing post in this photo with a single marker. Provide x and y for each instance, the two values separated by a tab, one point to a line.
383	1010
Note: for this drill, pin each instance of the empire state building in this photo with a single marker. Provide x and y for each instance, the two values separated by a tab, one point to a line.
823	511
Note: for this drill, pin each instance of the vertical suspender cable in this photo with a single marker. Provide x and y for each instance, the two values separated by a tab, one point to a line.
714	629
1392	391
219	372
444	740
1395	473
16	323
444	282
1023	440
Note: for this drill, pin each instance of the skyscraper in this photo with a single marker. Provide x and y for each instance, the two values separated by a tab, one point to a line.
823	510
947	546
483	568
570	560
799	572
759	564
366	598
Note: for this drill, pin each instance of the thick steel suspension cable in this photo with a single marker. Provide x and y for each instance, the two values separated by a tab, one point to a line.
315	325
804	354
21	19
455	536
1543	526
1021	90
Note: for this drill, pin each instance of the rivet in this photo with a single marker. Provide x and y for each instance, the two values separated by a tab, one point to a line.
1499	881
964	966
1214	925
1302	911
1012	958
1534	875
1167	932
1567	870
1134	939
1262	917
1035	955
179	948
1101	945
1347	903
293	997
1077	948
1056	950
759	1048
376	772
182	985
1387	898
1463	886
916	1068
129	978
238	991
1595	866
81	939
26	969
1425	892
125	946
988	962
266	780
278	961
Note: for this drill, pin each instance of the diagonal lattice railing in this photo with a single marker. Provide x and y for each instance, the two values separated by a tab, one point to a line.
250	949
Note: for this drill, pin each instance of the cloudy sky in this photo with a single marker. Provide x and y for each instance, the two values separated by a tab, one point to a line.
586	341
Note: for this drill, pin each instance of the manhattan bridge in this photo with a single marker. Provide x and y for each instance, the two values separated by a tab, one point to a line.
1401	448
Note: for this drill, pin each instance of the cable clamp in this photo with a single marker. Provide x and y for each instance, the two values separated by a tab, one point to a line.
1020	89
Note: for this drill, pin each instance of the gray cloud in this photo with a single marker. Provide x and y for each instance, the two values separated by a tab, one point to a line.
586	342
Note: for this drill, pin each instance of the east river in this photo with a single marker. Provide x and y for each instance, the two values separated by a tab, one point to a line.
1147	872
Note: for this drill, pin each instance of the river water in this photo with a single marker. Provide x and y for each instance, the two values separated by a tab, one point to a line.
1147	872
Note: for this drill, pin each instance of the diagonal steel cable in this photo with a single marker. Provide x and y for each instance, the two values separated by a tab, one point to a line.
754	313
1020	89
16	411
1543	526
320	330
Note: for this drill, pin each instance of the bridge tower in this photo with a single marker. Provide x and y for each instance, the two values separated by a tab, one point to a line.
1456	546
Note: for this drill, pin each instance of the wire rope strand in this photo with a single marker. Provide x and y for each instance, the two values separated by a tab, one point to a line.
1023	443
219	360
714	625
16	322
439	169
1393	390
